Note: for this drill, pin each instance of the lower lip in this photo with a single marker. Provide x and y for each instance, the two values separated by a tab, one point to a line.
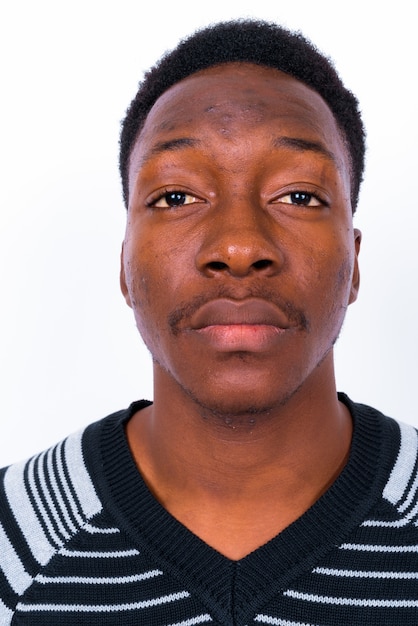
240	337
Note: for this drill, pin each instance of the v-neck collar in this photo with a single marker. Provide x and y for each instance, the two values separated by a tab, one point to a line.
240	587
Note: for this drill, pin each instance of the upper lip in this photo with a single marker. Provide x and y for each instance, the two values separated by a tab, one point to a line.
225	312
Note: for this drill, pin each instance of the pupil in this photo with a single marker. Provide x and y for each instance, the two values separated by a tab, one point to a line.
175	198
300	198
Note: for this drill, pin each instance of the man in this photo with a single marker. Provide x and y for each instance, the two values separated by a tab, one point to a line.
249	492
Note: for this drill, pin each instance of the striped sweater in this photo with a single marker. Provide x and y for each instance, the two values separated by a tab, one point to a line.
83	542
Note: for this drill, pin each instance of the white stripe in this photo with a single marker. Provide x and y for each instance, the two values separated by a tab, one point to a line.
404	466
365	574
25	516
117	554
96	530
374	523
70	502
275	621
400	523
79	476
103	608
40	506
96	580
372	602
46	492
200	619
6	615
378	548
413	512
52	477
12	566
410	498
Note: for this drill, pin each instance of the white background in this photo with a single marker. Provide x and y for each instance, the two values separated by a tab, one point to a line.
69	349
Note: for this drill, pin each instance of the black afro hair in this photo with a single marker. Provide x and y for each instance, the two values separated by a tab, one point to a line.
257	42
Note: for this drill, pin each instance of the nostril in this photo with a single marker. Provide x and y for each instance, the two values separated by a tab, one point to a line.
217	265
262	264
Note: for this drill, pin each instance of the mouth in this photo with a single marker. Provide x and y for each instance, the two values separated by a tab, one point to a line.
252	325
250	312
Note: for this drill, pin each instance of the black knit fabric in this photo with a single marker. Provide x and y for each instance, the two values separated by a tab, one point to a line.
84	542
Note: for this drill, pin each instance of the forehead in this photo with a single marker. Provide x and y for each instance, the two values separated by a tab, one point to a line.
232	98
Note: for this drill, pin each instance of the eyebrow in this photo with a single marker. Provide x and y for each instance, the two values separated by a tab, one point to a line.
170	146
304	145
294	143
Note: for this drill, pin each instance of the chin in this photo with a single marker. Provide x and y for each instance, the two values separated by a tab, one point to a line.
242	406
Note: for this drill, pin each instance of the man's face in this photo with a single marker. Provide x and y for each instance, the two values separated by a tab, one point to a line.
240	258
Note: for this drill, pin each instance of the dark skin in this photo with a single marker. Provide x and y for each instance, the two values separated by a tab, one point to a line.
239	262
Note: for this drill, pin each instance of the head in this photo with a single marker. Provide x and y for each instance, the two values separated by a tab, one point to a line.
257	42
240	256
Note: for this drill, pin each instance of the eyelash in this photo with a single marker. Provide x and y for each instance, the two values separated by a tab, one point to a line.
172	192
182	195
319	201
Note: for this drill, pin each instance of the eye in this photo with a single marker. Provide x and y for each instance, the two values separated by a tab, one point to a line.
301	198
172	199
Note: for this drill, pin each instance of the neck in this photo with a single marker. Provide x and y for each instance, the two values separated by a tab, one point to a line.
270	465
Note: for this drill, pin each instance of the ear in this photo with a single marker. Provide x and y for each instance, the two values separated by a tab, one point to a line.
122	279
355	281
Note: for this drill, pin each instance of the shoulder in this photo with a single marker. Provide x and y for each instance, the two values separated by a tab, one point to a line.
51	495
401	488
45	502
398	459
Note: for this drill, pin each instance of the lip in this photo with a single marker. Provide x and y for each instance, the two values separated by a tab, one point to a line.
252	325
250	312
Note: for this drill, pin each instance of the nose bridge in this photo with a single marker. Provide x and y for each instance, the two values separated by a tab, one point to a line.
239	213
239	237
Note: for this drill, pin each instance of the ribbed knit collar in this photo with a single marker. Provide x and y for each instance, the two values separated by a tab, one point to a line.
239	588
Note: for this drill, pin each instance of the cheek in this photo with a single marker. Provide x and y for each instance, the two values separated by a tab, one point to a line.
338	292
147	308
153	277
137	259
142	268
326	275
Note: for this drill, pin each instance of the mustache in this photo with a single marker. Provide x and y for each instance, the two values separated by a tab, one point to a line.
182	313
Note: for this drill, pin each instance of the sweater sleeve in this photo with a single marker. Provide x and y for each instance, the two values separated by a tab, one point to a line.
44	503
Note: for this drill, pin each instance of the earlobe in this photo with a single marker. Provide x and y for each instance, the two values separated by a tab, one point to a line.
355	281
122	279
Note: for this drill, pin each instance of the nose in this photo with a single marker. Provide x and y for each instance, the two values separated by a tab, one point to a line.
239	241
